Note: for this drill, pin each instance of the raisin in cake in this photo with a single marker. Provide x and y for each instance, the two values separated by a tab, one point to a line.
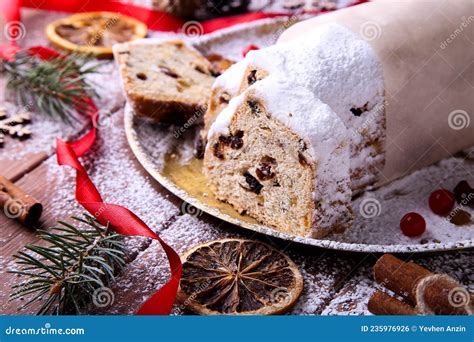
342	70
167	81
279	154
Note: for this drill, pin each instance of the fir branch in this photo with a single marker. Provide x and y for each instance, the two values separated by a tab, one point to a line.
63	274
56	87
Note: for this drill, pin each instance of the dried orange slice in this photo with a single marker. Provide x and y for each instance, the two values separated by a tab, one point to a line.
238	277
94	32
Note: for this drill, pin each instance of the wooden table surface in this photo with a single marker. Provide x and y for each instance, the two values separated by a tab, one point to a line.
335	282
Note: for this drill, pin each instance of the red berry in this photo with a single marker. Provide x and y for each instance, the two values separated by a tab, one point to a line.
249	48
441	202
412	224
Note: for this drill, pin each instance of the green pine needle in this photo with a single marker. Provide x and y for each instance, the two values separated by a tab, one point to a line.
55	87
71	263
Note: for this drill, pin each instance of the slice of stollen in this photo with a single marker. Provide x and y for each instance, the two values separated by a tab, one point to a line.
281	155
167	81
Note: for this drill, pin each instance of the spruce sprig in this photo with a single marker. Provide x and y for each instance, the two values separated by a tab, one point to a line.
64	271
56	87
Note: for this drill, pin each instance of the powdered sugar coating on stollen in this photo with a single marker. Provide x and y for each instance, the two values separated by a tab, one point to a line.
293	105
343	71
231	78
339	67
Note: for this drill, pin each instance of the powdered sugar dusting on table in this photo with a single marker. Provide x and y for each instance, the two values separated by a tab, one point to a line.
353	297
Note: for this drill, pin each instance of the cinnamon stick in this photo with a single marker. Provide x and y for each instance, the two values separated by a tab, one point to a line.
382	304
16	203
399	276
430	293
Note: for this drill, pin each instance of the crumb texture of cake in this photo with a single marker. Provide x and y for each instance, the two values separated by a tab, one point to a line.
167	81
225	87
285	163
342	70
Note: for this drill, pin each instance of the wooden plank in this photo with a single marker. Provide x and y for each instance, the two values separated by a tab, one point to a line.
15	169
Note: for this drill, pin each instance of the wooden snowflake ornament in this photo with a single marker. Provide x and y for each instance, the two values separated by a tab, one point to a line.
14	126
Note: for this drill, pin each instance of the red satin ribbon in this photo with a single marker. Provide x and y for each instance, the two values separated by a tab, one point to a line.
119	218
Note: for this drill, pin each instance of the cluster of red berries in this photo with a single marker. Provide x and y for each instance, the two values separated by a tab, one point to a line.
441	202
